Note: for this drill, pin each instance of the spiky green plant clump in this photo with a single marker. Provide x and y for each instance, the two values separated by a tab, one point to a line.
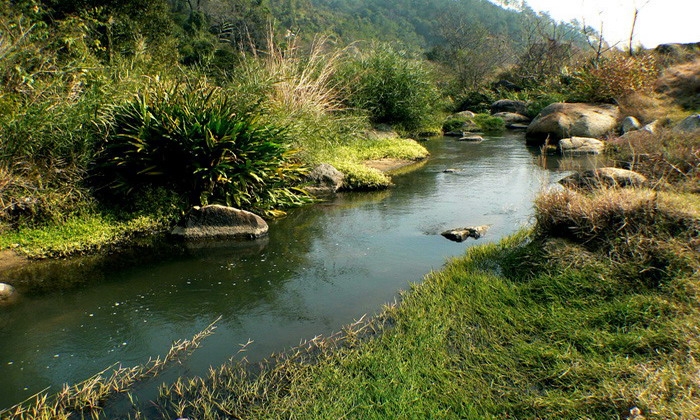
195	143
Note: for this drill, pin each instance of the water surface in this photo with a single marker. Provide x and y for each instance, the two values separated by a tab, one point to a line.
320	268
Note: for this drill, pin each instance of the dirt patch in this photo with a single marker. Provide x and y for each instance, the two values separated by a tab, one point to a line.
9	259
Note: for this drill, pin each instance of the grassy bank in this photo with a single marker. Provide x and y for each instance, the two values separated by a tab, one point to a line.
536	326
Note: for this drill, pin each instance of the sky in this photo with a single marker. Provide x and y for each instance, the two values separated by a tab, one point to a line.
659	21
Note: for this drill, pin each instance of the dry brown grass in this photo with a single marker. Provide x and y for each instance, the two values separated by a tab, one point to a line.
666	157
609	213
681	84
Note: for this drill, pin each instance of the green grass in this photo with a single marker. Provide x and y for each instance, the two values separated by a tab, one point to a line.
78	234
349	160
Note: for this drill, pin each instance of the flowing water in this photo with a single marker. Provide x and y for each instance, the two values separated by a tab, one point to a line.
321	267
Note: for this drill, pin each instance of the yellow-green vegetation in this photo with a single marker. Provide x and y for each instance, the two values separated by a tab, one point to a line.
358	176
79	234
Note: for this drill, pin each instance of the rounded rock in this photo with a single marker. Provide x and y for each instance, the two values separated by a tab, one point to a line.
7	293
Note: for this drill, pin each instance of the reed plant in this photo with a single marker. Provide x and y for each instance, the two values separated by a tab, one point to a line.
88	398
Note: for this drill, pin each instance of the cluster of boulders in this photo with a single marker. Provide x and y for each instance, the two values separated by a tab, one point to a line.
571	128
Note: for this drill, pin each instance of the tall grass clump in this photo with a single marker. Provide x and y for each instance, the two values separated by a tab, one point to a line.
195	142
391	87
666	157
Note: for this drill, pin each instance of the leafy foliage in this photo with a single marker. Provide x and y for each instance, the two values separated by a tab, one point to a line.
391	87
195	143
489	123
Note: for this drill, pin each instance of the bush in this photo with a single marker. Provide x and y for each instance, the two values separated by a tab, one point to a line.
664	157
391	87
489	124
193	142
614	78
454	124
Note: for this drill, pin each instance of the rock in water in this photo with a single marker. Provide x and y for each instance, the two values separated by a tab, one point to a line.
580	146
461	234
510	118
560	120
324	178
7	293
507	105
604	177
474	139
215	221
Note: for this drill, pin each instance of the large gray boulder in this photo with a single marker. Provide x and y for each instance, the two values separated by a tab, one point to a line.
511	118
604	177
561	120
324	178
689	124
509	105
580	146
7	293
215	221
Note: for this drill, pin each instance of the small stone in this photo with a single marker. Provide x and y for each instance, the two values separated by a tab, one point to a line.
517	126
689	124
454	133
324	177
461	234
451	171
630	124
474	139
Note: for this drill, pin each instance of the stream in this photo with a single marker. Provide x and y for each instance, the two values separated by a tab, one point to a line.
321	267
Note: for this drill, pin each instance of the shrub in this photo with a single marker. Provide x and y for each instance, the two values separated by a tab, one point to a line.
193	142
666	156
454	124
391	87
614	78
489	124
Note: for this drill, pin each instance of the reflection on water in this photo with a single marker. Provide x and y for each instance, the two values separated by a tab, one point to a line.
321	267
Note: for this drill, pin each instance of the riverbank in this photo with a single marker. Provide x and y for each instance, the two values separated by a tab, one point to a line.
94	230
582	317
534	326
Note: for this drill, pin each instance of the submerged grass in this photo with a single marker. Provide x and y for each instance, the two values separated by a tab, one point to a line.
87	399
